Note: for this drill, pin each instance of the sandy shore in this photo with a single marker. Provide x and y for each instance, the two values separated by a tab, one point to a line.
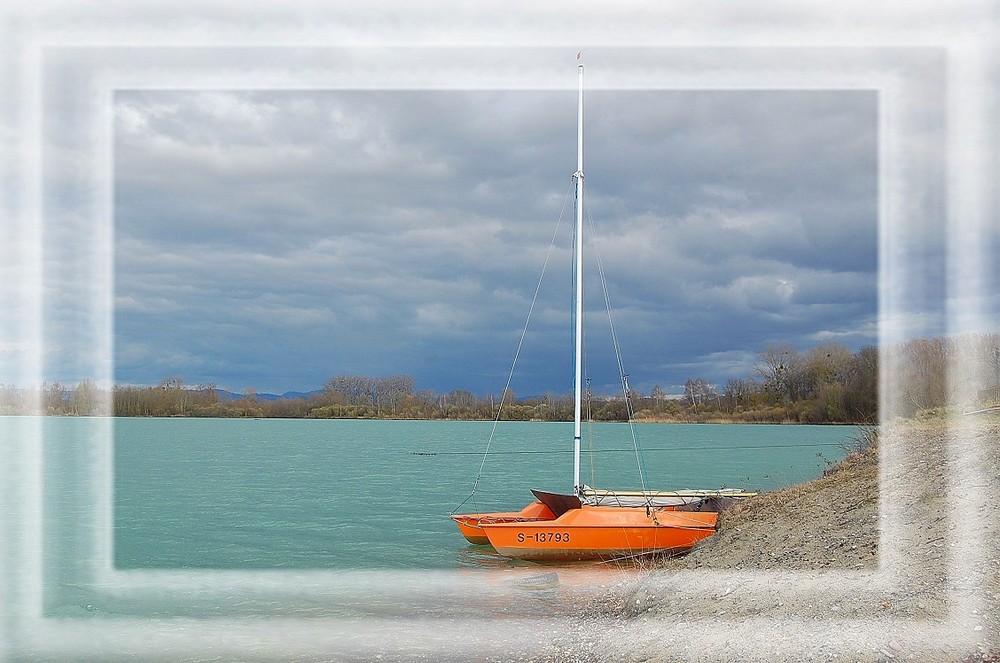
894	555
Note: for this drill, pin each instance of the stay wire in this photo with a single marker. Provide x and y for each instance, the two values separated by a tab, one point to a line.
517	354
603	451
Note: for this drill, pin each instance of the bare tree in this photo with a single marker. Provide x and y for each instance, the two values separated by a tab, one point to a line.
740	392
698	392
828	363
780	368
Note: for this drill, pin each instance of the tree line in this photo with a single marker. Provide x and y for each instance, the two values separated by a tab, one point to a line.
826	384
829	383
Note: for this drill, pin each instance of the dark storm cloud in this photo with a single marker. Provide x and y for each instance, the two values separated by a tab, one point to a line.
276	238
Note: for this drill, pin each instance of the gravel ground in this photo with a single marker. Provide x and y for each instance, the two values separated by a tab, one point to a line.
836	569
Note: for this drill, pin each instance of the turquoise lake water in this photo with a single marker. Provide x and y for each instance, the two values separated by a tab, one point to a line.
333	494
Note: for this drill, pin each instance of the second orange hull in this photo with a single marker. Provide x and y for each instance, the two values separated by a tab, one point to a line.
471	524
594	532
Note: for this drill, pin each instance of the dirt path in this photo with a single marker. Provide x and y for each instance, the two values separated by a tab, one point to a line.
835	569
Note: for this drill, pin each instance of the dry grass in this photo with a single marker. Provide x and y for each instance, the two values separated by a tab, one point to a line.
828	522
825	527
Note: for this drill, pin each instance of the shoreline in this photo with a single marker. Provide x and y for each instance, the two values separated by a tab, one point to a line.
785	422
862	563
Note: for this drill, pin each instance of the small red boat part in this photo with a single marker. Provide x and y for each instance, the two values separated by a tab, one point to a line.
471	524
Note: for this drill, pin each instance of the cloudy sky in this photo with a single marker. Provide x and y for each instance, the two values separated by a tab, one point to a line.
275	238
256	197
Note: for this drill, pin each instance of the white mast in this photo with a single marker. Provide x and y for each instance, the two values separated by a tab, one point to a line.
578	299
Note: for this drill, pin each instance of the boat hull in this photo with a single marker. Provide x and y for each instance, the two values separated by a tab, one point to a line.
471	524
601	533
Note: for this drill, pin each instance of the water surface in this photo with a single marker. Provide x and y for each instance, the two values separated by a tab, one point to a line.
336	494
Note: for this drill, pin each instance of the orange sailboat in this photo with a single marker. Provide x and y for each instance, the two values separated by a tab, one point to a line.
602	532
591	524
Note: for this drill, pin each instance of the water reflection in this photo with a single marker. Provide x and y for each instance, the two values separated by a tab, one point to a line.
485	557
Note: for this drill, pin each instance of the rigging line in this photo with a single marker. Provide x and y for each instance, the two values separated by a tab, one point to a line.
517	353
604	451
618	353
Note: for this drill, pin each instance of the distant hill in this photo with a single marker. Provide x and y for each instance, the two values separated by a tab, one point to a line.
288	395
